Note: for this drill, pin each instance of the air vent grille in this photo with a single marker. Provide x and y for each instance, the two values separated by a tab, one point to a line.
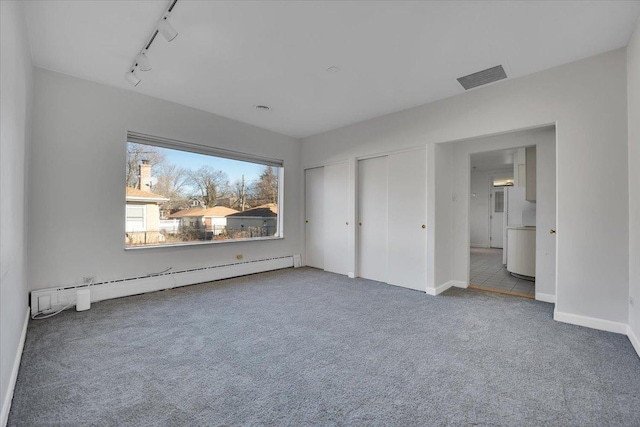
483	77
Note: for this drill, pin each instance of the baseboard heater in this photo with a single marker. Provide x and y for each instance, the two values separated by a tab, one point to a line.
53	299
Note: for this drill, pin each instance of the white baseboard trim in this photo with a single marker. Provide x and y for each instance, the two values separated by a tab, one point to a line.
591	322
634	339
440	289
545	297
8	397
61	297
459	284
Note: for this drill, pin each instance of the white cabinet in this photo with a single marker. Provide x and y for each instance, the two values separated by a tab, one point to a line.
521	247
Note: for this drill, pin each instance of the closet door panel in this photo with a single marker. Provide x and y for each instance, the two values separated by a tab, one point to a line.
407	215
372	218
336	216
314	217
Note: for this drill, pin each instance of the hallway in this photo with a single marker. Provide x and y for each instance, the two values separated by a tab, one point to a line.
488	273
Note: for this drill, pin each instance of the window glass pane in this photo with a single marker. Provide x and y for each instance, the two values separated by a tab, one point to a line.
176	196
134	211
499	201
135	218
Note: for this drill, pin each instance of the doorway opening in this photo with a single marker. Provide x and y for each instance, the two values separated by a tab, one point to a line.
512	194
497	204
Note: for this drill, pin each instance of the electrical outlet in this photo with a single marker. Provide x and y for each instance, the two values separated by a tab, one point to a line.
239	256
631	300
88	279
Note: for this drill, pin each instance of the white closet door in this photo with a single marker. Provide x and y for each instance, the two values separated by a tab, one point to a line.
407	215
336	216
372	217
314	217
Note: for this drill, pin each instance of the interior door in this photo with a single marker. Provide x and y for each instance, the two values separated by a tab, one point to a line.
496	218
336	217
407	219
314	217
372	219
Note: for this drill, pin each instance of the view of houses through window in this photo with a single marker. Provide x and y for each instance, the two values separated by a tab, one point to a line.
177	197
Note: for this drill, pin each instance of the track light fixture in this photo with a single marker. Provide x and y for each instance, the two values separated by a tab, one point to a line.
131	77
142	62
166	29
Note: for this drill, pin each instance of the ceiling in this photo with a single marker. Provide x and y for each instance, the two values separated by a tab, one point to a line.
231	56
493	160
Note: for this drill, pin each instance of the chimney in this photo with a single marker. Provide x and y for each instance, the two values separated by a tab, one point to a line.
145	176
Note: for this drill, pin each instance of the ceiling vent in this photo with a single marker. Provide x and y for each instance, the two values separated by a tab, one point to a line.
484	77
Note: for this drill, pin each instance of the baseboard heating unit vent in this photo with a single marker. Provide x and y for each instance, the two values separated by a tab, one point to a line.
53	299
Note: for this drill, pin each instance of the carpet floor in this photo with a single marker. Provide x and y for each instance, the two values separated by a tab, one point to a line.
305	347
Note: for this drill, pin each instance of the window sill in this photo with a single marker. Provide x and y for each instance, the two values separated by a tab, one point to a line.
213	242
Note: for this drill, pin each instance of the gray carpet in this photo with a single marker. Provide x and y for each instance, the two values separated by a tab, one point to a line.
305	347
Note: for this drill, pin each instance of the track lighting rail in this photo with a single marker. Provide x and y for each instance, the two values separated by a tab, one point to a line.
141	62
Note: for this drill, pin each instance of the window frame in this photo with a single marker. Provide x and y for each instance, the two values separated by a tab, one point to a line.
139	138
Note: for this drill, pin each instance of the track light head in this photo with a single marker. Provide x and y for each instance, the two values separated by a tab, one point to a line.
166	29
143	62
131	77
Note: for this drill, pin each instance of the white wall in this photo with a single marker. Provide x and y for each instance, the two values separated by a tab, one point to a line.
544	139
16	92
76	198
519	160
443	262
479	205
633	99
546	209
587	101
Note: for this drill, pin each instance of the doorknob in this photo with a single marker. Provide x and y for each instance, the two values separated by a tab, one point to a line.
359	223
306	222
424	226
347	223
552	231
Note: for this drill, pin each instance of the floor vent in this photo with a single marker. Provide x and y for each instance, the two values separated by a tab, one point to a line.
483	77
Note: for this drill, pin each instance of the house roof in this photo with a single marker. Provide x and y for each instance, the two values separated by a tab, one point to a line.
216	211
219	211
262	211
187	212
133	194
